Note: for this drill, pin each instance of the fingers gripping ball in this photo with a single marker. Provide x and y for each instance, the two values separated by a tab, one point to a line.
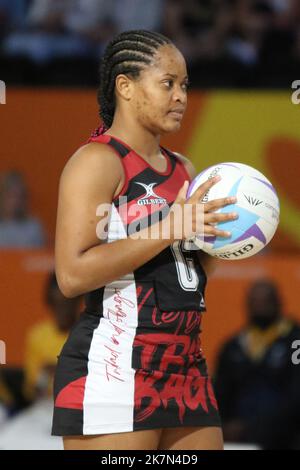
257	207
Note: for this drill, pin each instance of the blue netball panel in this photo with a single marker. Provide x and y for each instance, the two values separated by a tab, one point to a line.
241	228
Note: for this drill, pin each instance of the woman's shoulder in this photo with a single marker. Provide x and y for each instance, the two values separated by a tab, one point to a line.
94	169
93	157
95	151
189	166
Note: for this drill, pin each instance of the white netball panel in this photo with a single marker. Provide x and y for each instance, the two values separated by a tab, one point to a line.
247	170
227	173
239	250
259	198
244	248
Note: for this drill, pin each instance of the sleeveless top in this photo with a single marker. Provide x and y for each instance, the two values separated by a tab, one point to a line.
178	278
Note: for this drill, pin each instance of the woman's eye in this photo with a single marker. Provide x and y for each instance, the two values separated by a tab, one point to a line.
169	83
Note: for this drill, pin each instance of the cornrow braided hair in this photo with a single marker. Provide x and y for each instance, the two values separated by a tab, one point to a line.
128	53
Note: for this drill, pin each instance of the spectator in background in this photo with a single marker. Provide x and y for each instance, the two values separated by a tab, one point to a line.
256	383
78	28
30	429
236	35
6	401
12	399
247	31
253	19
45	340
198	28
3	413
12	15
17	228
62	28
137	14
281	41
263	31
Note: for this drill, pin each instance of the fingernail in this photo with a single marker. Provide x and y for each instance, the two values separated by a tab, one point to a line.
217	178
228	234
233	199
235	215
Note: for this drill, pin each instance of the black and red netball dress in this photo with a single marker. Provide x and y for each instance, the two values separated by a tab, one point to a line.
134	360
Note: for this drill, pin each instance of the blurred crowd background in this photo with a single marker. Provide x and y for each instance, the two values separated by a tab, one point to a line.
228	43
49	58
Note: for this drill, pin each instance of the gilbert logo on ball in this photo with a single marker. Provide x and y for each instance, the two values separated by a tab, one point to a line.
257	206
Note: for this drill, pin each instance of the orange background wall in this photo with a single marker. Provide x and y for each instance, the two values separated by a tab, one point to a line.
41	128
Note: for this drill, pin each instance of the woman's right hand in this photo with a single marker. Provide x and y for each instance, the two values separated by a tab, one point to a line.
200	218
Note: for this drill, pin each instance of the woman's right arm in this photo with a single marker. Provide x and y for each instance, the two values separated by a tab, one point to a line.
83	262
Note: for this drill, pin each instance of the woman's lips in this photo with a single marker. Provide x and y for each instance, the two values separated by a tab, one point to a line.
176	114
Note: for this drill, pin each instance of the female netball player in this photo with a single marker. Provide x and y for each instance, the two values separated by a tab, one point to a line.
132	374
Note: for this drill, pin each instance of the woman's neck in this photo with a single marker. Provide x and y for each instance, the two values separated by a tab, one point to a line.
138	138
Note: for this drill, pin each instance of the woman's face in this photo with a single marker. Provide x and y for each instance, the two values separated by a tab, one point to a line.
160	94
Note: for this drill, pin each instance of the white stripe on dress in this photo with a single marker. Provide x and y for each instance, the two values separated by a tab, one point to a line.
108	404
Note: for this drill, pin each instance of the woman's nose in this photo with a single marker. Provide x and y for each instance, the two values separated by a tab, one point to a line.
180	95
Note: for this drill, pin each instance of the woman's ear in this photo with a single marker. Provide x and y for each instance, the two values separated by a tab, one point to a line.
124	87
